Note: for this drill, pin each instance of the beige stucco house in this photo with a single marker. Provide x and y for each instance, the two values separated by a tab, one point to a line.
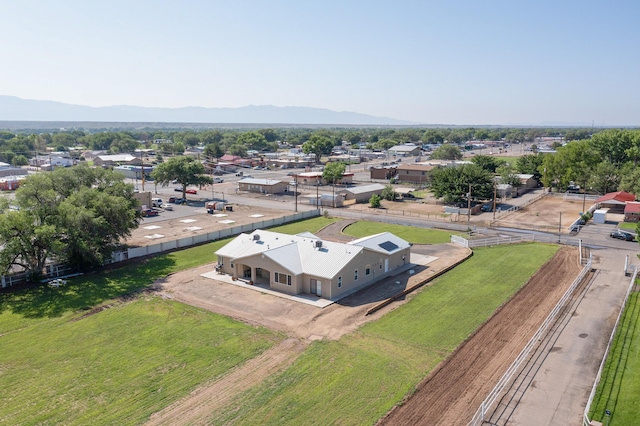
304	263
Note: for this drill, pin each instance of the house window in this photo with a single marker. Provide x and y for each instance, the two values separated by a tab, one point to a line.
355	275
367	270
232	265
282	278
339	282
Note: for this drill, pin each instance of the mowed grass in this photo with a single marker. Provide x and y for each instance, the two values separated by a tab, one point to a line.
123	363
412	234
619	387
357	379
120	365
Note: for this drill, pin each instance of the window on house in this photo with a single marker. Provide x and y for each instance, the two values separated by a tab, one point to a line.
355	275
288	279
282	278
367	271
339	282
232	265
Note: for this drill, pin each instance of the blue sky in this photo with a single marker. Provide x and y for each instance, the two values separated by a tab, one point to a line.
432	62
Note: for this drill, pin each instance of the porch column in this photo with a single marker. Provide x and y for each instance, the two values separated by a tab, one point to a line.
253	275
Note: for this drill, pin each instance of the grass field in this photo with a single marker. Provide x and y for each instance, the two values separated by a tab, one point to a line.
123	363
629	226
360	377
412	234
619	387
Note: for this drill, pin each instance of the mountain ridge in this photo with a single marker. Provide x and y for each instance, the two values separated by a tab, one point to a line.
13	108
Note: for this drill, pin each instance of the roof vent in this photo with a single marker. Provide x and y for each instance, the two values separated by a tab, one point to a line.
318	244
256	237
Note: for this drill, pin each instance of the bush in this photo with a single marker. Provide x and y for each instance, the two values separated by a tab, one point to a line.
374	201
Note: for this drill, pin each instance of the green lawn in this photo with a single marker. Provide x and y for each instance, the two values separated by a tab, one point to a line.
619	387
360	377
628	226
119	365
409	233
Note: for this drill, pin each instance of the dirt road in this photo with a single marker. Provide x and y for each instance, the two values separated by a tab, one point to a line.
451	394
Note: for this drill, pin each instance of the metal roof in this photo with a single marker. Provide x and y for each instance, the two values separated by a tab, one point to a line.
296	253
382	243
256	181
365	188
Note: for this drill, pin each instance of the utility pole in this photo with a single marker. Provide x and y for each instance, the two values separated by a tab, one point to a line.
559	227
295	188
317	198
469	209
495	194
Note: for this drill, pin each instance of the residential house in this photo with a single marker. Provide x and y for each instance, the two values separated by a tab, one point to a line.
383	172
414	173
632	211
262	186
304	263
615	201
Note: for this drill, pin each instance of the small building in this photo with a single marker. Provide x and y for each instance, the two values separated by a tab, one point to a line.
383	172
361	194
527	183
10	183
632	212
313	178
11	171
504	190
304	263
600	216
405	150
615	201
414	173
262	186
116	160
135	172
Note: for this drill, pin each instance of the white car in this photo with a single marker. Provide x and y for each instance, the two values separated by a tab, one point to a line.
166	206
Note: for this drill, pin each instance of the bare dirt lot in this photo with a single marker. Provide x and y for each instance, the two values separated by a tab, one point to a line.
452	393
545	214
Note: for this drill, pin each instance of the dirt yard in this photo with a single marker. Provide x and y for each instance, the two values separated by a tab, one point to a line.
544	215
453	392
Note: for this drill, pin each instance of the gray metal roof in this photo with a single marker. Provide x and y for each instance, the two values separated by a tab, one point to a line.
297	254
365	188
385	242
255	181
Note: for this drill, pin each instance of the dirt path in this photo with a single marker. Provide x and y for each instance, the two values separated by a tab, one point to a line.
451	394
195	408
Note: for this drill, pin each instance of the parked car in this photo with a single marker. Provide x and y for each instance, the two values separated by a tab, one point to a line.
177	189
149	213
290	173
179	200
167	206
220	180
237	174
293	183
191	191
621	235
156	202
486	208
172	200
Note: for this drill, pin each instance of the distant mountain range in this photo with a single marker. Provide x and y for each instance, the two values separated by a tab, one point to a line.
16	109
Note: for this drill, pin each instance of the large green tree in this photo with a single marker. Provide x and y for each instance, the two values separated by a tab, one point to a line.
447	151
76	216
317	145
452	183
488	162
333	172
183	170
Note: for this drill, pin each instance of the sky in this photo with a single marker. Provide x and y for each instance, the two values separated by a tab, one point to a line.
460	62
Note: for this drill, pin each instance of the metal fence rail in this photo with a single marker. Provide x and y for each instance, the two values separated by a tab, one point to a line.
585	419
478	417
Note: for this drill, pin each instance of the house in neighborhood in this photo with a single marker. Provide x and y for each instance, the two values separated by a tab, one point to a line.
405	150
383	172
304	263
615	201
262	186
7	170
360	194
414	173
527	183
315	178
632	212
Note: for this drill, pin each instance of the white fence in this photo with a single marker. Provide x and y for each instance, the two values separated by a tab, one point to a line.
56	270
585	420
478	417
508	239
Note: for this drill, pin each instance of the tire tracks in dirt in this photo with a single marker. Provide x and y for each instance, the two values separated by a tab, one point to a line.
195	408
